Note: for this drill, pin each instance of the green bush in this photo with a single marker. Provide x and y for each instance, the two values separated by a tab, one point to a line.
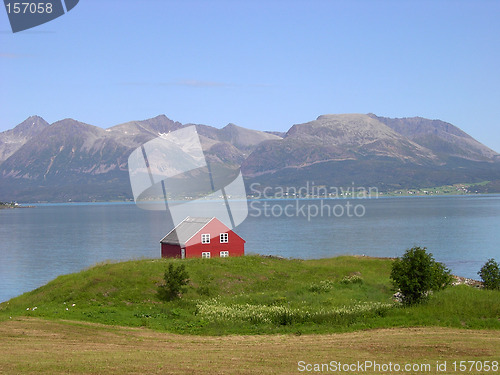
354	279
416	274
490	274
176	279
322	287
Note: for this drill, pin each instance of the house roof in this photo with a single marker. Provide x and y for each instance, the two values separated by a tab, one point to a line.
183	232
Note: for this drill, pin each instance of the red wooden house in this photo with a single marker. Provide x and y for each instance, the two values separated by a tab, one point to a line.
201	237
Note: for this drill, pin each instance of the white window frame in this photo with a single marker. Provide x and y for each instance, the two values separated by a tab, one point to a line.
205	238
226	237
205	254
224	254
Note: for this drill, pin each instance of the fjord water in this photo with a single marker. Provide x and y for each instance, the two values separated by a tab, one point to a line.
38	244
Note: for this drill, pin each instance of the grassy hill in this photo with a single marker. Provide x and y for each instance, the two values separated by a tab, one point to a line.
251	295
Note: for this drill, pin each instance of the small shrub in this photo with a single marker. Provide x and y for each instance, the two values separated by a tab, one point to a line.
490	274
279	301
322	287
204	290
354	279
417	274
176	279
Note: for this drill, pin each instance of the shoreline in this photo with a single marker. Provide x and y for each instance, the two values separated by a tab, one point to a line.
249	198
10	206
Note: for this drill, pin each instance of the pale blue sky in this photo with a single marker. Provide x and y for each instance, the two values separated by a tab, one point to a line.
260	64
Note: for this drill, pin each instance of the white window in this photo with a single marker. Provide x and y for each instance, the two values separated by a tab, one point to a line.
205	238
224	238
205	254
224	254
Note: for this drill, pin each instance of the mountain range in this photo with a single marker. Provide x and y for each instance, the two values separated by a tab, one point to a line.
71	160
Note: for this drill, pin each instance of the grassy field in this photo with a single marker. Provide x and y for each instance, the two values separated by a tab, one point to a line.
36	346
248	315
252	295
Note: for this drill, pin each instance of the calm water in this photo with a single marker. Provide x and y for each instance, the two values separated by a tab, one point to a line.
38	244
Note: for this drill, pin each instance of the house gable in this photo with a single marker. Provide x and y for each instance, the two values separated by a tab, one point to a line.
185	240
214	227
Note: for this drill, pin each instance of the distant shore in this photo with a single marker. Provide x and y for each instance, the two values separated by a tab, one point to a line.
14	205
406	194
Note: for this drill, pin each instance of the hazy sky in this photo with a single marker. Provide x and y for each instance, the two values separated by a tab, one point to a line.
259	64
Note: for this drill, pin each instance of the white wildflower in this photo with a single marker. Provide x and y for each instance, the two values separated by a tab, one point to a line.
214	310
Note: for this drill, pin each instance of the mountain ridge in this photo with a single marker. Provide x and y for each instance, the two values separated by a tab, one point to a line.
71	160
335	138
11	140
439	136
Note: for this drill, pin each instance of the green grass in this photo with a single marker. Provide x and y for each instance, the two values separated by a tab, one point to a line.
53	347
252	295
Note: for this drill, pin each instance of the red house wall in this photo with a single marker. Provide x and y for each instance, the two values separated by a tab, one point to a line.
235	246
170	251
